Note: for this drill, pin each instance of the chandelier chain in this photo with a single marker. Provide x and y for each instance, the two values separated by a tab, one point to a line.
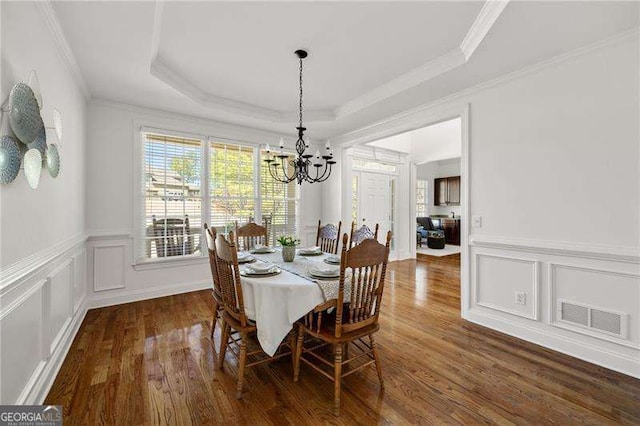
300	92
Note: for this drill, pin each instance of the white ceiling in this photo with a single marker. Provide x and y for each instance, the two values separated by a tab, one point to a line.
431	143
234	61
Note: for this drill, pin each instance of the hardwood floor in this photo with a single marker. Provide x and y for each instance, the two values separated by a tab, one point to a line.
152	362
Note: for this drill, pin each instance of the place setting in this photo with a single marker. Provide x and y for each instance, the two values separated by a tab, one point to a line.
324	272
311	251
245	257
332	259
260	269
261	249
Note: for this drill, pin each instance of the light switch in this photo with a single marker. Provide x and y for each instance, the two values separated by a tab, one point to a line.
476	221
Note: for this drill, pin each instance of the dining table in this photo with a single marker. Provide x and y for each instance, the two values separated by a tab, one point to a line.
276	302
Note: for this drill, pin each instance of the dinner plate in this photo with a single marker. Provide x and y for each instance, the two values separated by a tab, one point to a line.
246	273
325	274
323	277
247	260
332	259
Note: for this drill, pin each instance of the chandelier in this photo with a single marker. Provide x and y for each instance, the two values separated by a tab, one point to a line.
305	167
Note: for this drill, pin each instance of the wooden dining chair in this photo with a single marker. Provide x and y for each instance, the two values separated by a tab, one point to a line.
172	236
359	235
218	303
354	316
234	318
328	237
250	235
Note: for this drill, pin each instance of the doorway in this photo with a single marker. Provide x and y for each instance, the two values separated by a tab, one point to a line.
374	197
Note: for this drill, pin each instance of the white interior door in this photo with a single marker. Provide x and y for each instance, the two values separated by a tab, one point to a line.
375	202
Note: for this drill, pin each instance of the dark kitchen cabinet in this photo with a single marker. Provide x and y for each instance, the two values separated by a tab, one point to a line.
447	191
451	229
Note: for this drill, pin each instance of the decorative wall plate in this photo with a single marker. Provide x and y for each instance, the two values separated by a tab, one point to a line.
57	123
24	113
33	167
40	143
34	83
9	159
53	160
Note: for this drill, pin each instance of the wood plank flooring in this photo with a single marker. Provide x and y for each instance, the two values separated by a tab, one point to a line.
152	362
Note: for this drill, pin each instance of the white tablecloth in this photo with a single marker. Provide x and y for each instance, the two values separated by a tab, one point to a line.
275	303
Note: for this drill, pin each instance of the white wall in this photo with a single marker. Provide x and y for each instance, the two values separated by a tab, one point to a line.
554	167
437	169
42	235
113	130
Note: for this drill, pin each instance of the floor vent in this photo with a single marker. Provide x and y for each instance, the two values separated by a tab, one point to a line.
594	319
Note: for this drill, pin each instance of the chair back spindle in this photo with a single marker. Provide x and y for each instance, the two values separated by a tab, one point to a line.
368	264
327	237
247	236
229	277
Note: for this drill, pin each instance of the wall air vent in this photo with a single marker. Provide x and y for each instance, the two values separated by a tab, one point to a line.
595	319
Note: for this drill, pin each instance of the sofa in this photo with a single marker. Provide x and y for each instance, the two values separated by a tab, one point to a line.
425	229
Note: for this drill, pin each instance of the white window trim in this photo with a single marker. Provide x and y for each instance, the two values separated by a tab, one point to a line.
245	138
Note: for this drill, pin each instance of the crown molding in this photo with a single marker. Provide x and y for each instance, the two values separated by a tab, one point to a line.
456	57
170	77
55	29
414	118
438	66
488	15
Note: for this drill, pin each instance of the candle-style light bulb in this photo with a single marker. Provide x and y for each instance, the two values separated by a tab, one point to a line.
281	143
268	148
327	145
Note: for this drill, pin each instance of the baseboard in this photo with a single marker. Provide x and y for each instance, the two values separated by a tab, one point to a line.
110	298
629	365
37	389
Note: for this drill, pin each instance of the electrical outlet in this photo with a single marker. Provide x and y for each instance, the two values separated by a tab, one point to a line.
521	298
476	221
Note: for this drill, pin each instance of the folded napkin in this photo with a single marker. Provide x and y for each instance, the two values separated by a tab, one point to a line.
260	266
243	255
333	258
312	249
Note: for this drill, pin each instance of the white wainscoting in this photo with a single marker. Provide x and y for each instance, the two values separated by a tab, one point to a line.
604	278
116	280
43	304
498	278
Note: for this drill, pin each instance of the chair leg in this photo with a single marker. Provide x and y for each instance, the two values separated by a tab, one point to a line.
337	376
215	318
293	338
296	360
376	357
241	364
224	342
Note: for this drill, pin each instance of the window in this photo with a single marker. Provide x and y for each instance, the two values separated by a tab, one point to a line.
421	198
354	195
231	185
278	202
179	191
373	165
172	196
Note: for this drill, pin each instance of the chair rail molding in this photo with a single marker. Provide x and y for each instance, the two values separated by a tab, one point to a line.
561	248
15	274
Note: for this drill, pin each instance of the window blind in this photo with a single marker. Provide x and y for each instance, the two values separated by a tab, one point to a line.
231	185
279	202
172	204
